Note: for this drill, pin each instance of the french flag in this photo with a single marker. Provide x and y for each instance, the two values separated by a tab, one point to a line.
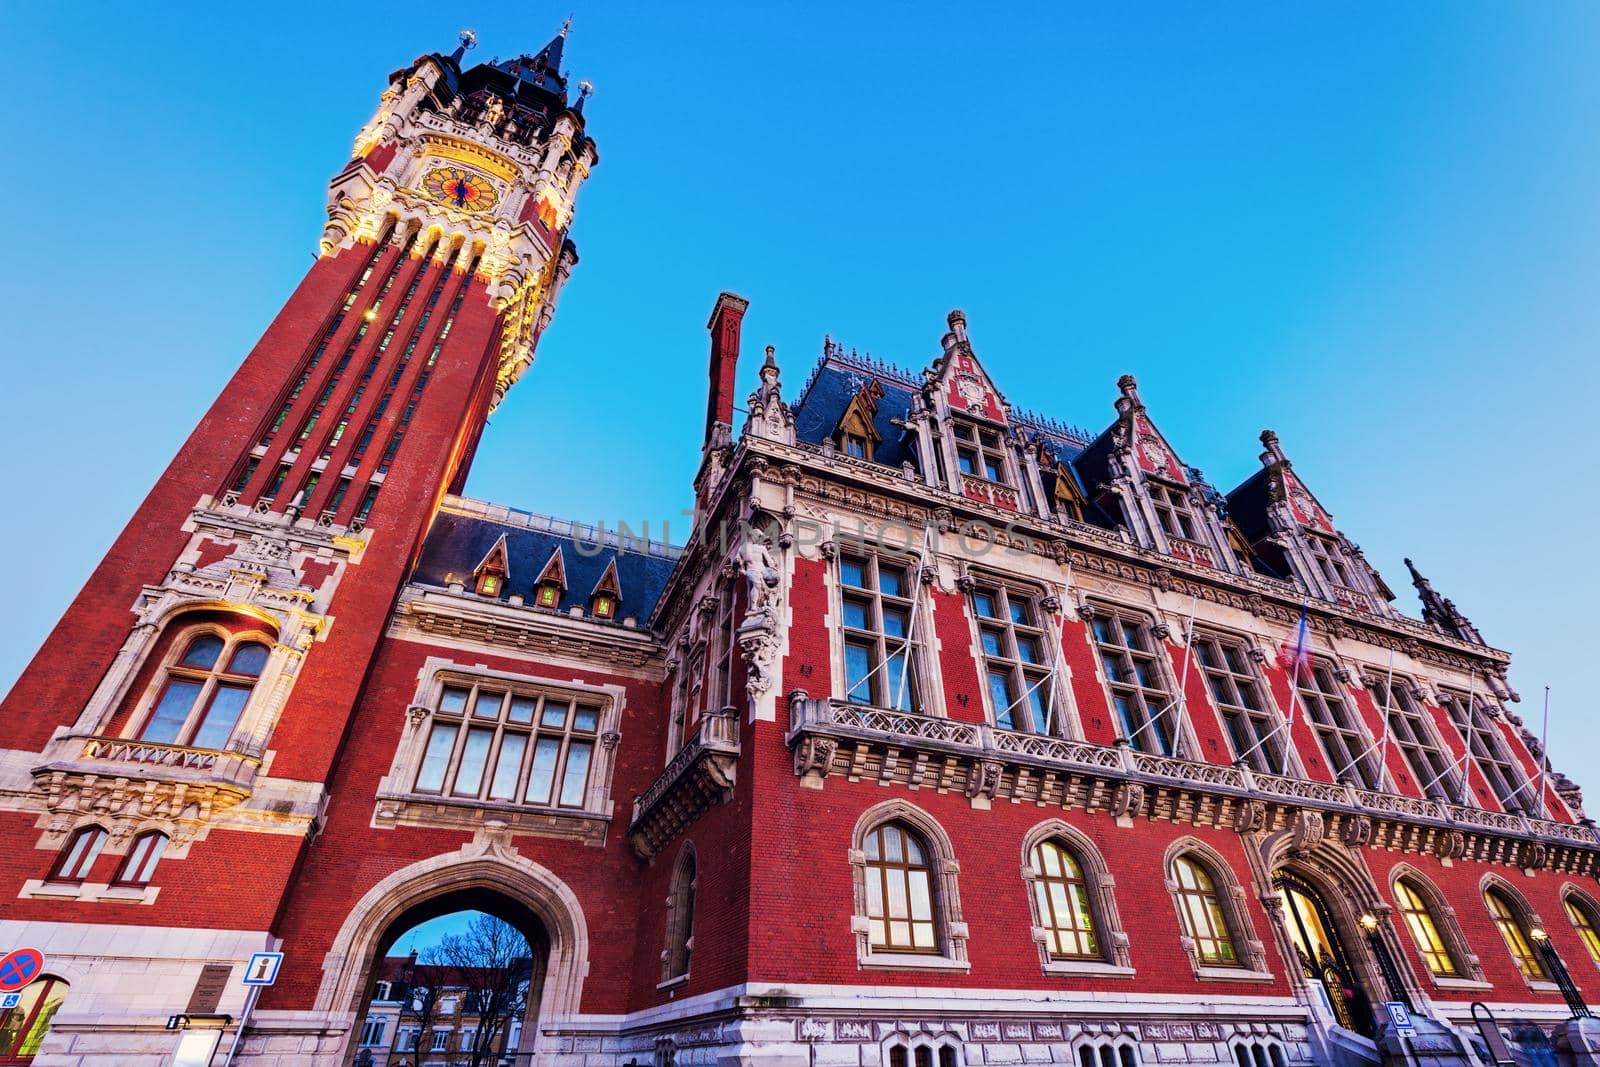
1294	655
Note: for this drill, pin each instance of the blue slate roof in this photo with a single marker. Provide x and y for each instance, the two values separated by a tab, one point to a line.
464	531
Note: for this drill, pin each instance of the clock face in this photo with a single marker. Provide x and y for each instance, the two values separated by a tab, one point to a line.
464	190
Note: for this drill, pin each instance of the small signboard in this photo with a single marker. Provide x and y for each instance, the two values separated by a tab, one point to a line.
19	967
263	968
1400	1018
9	1001
208	989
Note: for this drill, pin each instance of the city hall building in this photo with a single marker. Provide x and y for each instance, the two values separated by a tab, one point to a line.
951	736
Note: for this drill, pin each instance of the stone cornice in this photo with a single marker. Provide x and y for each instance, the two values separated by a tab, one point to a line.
426	614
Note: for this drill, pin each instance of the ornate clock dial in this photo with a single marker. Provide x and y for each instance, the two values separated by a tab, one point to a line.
461	189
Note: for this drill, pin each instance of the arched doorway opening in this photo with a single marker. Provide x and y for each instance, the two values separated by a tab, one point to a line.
23	1028
456	977
1328	955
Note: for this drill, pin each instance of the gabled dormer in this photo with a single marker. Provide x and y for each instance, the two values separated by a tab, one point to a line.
551	584
606	597
1061	487
1133	472
968	442
856	435
1290	531
489	577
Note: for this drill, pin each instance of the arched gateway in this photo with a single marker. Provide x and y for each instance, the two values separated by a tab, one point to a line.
487	877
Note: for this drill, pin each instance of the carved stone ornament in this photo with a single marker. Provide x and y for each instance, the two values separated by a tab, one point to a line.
1051	603
1357	831
983	780
1306	831
417	713
758	646
814	755
1128	799
1258	654
1450	845
1250	817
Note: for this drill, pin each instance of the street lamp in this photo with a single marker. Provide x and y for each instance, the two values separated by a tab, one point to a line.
1558	970
1380	952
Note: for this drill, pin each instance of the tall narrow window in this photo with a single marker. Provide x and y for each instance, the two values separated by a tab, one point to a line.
1472	714
1204	921
1016	658
1138	693
1413	736
23	1028
725	645
488	742
1582	915
1333	721
680	918
205	692
1061	900
1241	701
1424	930
1514	932
1173	510
899	891
77	858
980	451
140	863
880	657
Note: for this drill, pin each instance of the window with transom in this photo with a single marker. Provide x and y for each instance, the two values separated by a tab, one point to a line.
1473	715
980	451
881	654
1204	920
490	741
1133	675
204	690
1581	913
1333	720
1413	735
900	907
1062	905
139	866
76	859
1251	722
1508	919
1016	658
1330	561
1424	929
1173	510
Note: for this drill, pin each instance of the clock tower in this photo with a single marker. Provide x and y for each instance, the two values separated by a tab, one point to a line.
193	700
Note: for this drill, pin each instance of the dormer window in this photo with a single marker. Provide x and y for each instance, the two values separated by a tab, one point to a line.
858	435
1173	510
489	576
980	451
607	594
551	583
856	446
1329	560
1066	497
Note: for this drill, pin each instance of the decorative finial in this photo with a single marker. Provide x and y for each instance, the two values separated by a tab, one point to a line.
469	40
565	26
585	89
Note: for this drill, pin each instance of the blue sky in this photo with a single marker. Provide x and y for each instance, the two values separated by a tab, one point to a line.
1372	228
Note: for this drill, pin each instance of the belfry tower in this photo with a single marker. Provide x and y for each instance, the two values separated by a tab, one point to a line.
194	697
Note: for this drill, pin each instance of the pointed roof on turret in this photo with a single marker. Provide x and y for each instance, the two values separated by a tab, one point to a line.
1440	611
543	68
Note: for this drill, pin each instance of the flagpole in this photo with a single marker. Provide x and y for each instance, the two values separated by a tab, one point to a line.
1183	680
1302	632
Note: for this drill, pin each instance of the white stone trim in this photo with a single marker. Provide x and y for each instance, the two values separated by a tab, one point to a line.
88	892
951	930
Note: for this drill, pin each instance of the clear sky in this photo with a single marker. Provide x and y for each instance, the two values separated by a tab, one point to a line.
1370	227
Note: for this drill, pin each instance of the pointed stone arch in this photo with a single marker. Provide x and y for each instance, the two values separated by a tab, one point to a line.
488	867
1444	918
1231	895
946	870
1101	885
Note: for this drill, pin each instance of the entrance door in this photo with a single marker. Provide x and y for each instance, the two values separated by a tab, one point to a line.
1323	955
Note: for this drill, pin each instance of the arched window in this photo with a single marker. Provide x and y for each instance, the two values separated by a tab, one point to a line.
900	911
23	1028
1582	914
77	858
1108	1055
1061	900
205	691
680	918
1514	930
1424	929
142	858
1204	920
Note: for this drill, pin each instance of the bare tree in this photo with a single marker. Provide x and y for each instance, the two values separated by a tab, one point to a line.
420	1002
492	962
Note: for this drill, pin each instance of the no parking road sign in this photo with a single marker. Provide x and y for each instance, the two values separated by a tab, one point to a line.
19	967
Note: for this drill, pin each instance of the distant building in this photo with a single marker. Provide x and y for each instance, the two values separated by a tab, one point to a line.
395	1032
953	735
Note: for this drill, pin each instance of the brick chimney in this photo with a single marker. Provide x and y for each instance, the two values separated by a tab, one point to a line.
724	327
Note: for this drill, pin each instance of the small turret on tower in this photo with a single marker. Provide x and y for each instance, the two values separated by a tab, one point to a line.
1441	612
